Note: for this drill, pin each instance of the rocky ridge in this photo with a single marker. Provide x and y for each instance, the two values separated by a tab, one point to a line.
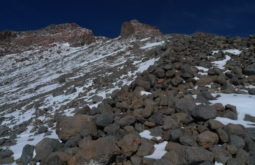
136	29
168	114
16	42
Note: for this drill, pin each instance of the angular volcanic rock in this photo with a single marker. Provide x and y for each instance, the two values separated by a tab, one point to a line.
75	35
138	29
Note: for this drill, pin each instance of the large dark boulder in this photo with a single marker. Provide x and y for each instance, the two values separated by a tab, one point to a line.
68	127
45	147
204	112
27	154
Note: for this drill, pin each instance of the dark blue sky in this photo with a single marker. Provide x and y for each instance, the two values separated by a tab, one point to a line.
104	17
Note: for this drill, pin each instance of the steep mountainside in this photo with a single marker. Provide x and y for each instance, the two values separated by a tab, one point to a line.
68	97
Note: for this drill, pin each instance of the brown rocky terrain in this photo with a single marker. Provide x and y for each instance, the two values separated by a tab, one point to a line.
170	114
14	42
136	29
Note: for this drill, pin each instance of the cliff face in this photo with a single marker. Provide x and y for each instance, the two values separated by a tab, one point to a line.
14	42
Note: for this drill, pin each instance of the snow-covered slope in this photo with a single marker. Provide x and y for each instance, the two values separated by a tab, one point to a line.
37	86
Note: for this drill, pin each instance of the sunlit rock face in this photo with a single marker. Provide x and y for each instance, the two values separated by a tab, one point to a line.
138	29
75	35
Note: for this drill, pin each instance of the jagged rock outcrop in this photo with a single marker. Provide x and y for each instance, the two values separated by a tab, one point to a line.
15	42
137	29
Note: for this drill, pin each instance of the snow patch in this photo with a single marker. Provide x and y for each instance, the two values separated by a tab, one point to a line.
233	51
196	78
145	65
145	93
221	64
147	135
145	39
215	52
250	86
202	68
159	151
26	138
245	104
150	45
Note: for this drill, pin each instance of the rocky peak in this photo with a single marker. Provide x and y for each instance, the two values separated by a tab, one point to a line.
75	35
138	29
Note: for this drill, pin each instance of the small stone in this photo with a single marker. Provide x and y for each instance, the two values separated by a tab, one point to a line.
231	115
220	154
219	107
250	69
146	148
242	156
234	161
207	139
222	135
170	73
249	118
5	153
156	118
214	124
172	146
176	81
42	129
27	154
129	144
251	91
100	150
162	162
96	99
112	128
182	118
193	155
3	130
149	124
104	119
145	84
187	140
127	120
136	160
167	67
207	163
204	112
176	134
230	107
185	104
235	129
237	141
169	123
45	147
57	158
232	149
160	73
